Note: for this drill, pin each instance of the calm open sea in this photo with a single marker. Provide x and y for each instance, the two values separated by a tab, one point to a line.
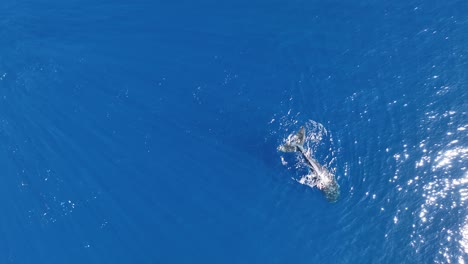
147	131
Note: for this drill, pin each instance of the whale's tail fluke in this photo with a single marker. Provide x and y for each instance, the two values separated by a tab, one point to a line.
294	142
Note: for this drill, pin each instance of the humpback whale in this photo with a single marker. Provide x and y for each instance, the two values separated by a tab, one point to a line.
319	175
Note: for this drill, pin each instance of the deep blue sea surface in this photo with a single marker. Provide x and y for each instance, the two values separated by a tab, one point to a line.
147	131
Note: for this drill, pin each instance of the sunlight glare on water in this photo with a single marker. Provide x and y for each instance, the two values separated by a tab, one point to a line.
444	188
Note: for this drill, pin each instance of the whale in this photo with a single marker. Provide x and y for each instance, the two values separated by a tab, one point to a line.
319	176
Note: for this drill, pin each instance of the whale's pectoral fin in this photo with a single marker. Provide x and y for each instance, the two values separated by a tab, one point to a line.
300	137
294	142
309	180
287	148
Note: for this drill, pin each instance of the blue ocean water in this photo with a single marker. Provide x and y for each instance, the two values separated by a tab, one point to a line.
147	131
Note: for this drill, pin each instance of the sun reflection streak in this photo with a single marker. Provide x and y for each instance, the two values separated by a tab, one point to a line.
464	233
445	159
445	197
